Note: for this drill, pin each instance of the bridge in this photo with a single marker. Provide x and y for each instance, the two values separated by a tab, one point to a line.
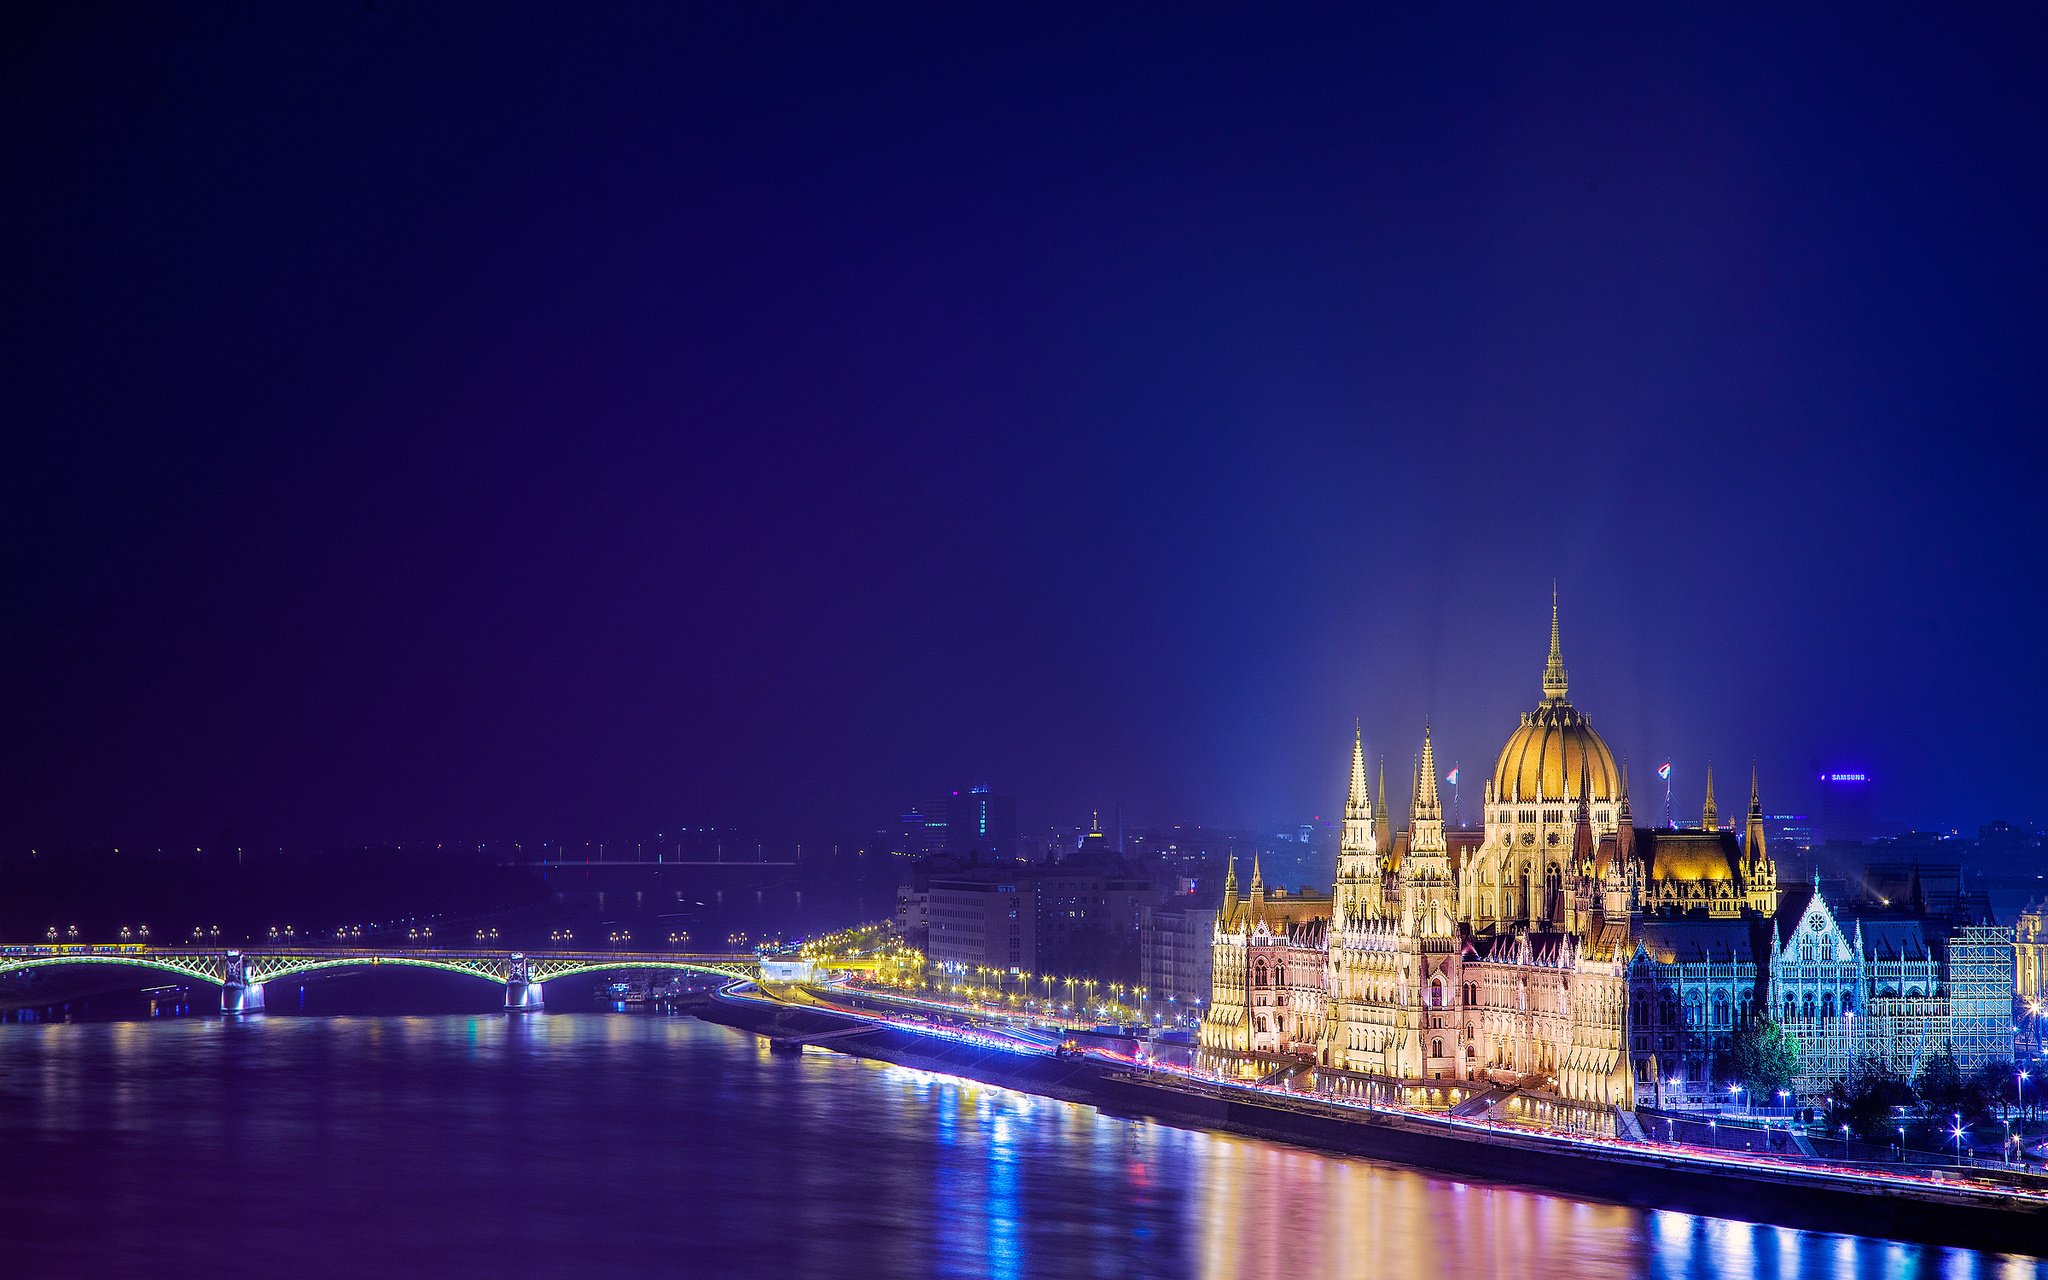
240	973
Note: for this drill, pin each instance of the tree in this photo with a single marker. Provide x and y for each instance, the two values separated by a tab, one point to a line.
1940	1081
1994	1085
1762	1058
1866	1106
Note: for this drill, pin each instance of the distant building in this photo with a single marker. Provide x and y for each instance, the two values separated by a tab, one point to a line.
979	822
1787	831
1084	912
1845	807
913	908
970	821
1175	947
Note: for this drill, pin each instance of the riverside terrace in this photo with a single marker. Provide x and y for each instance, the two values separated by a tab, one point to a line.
240	973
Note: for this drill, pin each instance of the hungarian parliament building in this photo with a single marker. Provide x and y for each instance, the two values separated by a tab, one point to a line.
1565	950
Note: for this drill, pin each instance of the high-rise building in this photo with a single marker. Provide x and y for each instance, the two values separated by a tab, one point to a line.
970	821
1845	807
1789	831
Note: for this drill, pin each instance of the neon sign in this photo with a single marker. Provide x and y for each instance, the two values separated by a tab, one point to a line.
1847	777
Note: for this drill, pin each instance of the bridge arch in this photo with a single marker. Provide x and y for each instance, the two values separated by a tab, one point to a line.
204	967
545	972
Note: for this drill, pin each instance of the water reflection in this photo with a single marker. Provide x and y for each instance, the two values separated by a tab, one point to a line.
597	1144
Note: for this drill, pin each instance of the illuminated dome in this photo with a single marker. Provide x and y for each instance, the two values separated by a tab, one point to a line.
1543	758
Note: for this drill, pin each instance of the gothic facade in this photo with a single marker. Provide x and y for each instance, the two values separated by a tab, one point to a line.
1463	955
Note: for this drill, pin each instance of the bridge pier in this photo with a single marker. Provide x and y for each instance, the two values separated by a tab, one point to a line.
237	993
522	992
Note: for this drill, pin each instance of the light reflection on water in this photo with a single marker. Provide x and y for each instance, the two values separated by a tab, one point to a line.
599	1144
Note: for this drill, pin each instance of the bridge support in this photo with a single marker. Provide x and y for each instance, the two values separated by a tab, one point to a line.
522	993
237	993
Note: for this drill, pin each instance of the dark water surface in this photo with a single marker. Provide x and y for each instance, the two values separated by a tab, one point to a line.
616	1145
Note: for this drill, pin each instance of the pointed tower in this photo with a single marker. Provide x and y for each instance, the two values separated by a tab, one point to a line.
1382	825
1357	857
1230	893
1555	686
1760	876
1753	829
1582	829
1427	807
1258	912
1426	870
1625	826
1710	817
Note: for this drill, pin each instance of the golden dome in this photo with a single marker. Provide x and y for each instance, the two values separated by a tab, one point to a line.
1544	758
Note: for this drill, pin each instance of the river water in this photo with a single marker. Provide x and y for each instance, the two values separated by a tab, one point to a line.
605	1144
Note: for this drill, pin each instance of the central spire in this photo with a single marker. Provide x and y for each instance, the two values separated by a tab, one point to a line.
1427	800
1553	672
1360	801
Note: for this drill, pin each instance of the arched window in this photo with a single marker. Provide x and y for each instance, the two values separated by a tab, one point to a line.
1806	1006
1720	1008
1791	1009
1259	976
1692	1009
1436	994
1848	1006
1827	1005
1436	1048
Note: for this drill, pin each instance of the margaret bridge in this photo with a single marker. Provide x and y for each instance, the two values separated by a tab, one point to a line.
240	973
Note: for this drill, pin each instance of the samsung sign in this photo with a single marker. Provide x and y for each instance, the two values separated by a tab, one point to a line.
1847	777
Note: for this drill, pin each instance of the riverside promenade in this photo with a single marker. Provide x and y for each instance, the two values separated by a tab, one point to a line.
1974	1208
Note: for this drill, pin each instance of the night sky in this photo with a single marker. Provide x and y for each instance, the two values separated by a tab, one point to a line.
553	423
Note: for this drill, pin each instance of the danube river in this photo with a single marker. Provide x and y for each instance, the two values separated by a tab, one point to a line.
604	1144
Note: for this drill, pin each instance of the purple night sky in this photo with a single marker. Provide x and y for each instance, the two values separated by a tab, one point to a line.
552	422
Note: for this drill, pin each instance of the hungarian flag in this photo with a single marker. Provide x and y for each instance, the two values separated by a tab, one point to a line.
1452	777
1665	773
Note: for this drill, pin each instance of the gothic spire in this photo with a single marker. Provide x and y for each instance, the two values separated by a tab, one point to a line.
1582	830
1426	795
1710	817
1753	832
1624	817
1554	683
1360	800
